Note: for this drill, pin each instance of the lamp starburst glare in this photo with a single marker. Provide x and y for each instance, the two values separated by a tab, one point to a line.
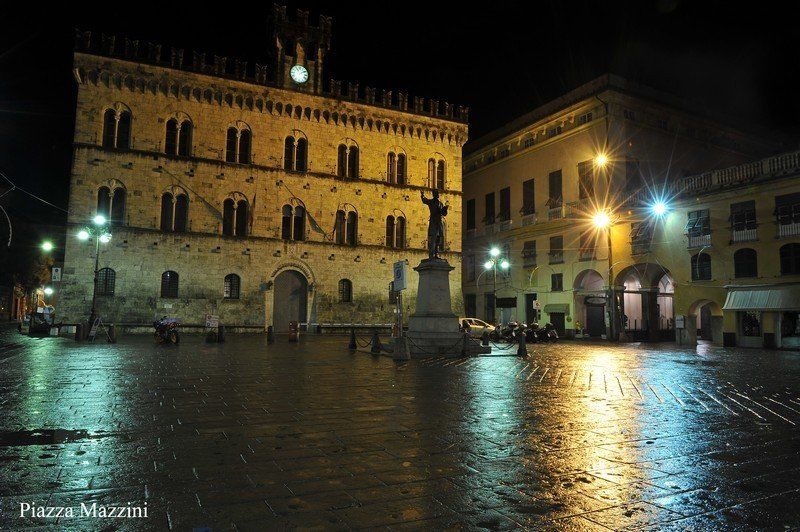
83	234
99	219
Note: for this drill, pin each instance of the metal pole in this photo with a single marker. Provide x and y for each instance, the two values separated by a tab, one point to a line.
93	315
494	292
612	309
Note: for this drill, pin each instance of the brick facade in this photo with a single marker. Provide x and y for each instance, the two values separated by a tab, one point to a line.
140	252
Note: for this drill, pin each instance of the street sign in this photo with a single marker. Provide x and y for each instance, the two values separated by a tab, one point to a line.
537	305
56	276
212	321
400	275
680	322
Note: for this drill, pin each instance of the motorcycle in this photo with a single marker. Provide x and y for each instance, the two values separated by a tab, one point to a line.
508	332
547	333
166	331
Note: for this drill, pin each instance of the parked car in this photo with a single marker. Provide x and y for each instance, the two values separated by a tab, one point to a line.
475	327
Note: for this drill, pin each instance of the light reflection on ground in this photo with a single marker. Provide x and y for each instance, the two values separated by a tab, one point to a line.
576	436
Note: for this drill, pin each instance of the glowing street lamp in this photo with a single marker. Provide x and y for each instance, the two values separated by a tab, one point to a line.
601	219
100	234
48	291
488	265
492	264
494	252
659	208
47	246
601	160
504	264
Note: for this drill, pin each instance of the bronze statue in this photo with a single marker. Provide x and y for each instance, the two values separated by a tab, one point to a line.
435	226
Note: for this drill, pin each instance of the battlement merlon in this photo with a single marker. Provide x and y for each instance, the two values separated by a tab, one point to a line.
239	70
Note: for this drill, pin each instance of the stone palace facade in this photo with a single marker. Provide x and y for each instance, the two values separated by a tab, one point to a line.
251	194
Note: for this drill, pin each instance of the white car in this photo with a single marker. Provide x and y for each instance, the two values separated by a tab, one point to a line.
475	327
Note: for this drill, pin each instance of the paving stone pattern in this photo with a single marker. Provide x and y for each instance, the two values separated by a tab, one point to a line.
251	436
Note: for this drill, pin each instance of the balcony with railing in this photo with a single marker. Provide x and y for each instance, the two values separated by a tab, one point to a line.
776	166
529	219
698	240
528	259
555	213
743	234
588	253
788	228
556	257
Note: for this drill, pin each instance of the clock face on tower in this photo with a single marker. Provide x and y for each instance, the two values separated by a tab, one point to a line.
299	74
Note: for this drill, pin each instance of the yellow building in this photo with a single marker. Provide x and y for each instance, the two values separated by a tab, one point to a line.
534	188
263	194
732	245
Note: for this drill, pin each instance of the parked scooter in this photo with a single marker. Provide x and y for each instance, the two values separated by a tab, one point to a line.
507	332
166	331
547	333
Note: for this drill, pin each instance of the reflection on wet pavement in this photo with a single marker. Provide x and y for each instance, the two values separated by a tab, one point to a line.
257	436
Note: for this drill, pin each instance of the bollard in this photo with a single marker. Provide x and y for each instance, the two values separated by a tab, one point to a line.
353	345
79	332
522	350
376	343
220	334
293	331
270	335
112	334
464	344
485	338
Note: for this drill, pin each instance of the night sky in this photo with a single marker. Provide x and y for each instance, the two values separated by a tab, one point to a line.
499	58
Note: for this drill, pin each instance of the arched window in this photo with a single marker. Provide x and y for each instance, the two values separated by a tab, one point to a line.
341	164
104	201
431	173
790	259
242	218
288	153
286	222
111	204
118	199
440	175
106	279
745	263
391	167
345	291
124	130
228	217
299	223
231	145
301	156
390	231
185	139
167	212
171	139
352	162
116	129
181	218
174	212
400	232
339	227
231	286
110	129
169	284
347	160
352	229
401	168
237	145
701	267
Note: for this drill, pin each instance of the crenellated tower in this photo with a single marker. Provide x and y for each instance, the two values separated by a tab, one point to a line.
299	49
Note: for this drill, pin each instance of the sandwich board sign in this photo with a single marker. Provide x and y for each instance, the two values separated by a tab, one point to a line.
400	275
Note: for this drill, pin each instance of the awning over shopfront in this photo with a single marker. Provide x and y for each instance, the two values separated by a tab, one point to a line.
769	298
557	307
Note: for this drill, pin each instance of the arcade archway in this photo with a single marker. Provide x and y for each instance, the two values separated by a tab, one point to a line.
589	291
647	312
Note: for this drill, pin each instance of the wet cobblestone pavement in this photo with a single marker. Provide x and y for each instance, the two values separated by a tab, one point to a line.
248	436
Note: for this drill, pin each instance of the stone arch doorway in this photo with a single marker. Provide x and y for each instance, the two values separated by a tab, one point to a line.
645	288
590	302
290	300
704	322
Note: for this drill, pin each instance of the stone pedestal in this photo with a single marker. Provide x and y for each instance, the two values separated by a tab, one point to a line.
433	328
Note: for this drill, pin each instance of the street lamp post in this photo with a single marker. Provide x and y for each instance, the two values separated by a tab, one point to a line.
603	221
100	234
492	264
